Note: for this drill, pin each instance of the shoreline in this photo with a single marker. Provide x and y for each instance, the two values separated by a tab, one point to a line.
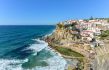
69	59
59	54
81	62
74	41
70	51
72	61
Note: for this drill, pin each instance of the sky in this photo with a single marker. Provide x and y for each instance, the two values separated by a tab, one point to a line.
49	12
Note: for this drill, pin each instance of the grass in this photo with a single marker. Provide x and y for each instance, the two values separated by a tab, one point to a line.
68	52
104	34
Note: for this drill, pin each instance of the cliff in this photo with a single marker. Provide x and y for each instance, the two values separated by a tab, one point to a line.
83	40
67	36
65	32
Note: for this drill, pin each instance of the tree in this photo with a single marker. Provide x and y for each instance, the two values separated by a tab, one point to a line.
86	20
60	25
91	18
108	20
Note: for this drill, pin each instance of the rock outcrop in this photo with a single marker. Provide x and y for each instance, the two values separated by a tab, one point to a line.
68	36
65	32
82	40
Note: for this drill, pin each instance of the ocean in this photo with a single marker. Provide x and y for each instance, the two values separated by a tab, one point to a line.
23	48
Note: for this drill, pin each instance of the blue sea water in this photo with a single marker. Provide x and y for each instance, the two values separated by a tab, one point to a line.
22	48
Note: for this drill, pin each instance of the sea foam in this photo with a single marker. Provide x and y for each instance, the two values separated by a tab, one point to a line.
54	63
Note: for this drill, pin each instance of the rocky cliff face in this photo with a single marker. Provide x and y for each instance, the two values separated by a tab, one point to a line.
64	32
69	34
101	61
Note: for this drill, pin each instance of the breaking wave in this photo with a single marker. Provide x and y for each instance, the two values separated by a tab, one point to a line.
42	54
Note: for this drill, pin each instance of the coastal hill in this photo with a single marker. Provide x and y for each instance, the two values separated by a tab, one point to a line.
81	40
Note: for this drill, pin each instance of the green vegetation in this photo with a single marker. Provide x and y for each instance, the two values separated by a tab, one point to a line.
68	52
84	28
108	20
104	34
60	25
91	18
87	20
69	68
